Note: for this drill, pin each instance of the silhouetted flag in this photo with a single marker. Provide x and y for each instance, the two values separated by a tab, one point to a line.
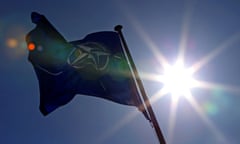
94	66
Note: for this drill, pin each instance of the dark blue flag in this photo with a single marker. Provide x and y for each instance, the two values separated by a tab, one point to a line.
94	66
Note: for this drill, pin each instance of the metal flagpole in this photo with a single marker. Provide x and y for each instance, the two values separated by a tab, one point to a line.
154	121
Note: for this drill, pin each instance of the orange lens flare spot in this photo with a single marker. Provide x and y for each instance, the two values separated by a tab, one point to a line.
31	46
12	43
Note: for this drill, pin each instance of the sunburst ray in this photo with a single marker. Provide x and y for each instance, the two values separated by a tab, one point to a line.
215	52
122	122
225	87
172	118
151	45
185	29
220	137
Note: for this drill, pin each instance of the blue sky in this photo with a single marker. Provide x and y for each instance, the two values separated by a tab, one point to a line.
210	31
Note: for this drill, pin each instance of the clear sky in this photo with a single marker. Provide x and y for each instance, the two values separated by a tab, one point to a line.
206	31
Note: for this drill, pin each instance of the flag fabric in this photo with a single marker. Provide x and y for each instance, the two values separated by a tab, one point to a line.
94	66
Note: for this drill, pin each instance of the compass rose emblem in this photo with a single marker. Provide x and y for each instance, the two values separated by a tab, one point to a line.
89	54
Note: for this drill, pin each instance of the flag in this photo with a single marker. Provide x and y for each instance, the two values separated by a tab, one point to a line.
93	66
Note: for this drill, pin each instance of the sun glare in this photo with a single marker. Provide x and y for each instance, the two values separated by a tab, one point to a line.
177	79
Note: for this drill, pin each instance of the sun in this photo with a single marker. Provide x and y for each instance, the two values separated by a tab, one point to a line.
177	79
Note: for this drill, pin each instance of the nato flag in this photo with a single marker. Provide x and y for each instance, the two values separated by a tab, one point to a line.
94	66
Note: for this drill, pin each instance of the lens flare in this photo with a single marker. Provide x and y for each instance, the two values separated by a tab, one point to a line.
31	46
12	43
210	108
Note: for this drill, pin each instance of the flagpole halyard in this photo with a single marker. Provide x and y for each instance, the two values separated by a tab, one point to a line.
154	121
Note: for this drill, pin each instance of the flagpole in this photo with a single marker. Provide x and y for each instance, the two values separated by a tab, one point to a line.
154	121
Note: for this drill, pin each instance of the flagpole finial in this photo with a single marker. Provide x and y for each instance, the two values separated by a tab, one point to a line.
118	28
